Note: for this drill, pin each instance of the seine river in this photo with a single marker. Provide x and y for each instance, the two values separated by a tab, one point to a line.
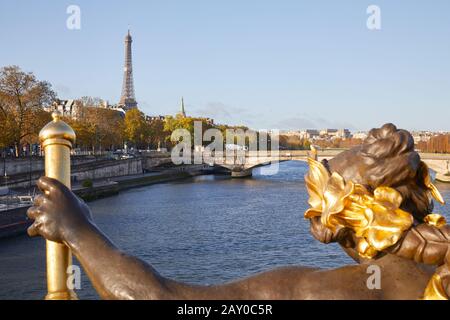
204	230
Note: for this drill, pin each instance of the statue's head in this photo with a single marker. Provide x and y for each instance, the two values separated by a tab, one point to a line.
387	158
376	190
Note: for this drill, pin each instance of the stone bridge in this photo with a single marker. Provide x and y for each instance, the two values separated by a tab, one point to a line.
240	164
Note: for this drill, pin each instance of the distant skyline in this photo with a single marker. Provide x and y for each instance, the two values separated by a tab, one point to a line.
265	64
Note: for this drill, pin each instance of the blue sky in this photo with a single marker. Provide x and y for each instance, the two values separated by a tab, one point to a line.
267	64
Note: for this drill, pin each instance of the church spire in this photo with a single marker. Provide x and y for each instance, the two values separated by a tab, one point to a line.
182	112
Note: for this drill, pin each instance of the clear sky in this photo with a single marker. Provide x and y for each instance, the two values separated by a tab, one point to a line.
266	64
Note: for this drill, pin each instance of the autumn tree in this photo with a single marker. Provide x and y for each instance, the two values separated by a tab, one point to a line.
437	144
136	128
98	128
293	142
40	119
106	126
188	123
157	136
84	132
338	143
22	99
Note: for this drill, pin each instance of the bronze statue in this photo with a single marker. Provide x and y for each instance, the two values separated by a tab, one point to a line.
374	200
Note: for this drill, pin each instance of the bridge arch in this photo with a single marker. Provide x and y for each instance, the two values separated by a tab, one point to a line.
438	163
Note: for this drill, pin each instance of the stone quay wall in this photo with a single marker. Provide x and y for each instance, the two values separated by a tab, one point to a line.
19	174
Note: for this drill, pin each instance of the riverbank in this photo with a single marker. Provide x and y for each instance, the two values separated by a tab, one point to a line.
23	173
112	186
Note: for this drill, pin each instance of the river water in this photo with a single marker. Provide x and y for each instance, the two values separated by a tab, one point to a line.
203	230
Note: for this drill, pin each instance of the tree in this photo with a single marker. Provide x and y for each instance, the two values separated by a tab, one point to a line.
22	99
437	144
40	119
293	142
180	122
98	128
156	134
106	127
87	101
136	128
84	132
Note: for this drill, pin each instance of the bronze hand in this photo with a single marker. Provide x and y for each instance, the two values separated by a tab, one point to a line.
57	212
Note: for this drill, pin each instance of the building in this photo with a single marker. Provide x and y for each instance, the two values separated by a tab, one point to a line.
117	108
335	133
328	133
77	109
423	136
313	134
360	135
343	134
309	134
127	98
209	120
289	133
68	108
155	118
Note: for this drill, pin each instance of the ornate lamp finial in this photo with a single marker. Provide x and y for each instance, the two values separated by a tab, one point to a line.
56	115
57	132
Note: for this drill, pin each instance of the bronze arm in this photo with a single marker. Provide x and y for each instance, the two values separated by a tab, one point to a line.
428	244
425	244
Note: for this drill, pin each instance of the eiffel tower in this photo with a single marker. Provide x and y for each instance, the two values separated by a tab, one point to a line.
127	99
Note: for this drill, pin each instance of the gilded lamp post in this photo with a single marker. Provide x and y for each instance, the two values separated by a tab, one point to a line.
57	138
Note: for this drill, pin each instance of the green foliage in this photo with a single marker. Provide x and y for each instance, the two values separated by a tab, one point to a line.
136	129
